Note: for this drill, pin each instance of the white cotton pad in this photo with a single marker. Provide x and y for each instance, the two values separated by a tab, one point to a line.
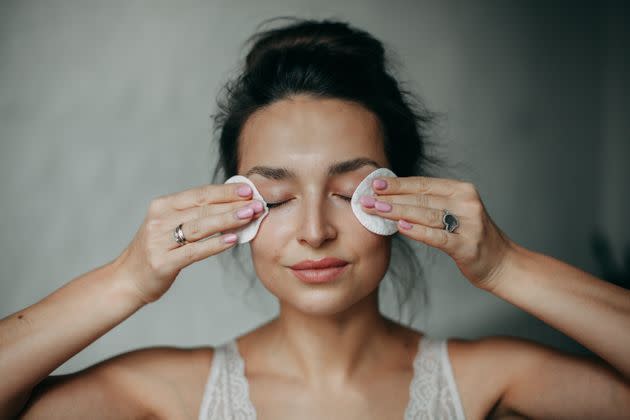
247	232
372	222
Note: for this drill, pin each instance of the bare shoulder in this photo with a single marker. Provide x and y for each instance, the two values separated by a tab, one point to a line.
153	382
503	376
175	376
482	369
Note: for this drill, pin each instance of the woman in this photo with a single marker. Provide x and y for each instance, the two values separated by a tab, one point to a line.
313	113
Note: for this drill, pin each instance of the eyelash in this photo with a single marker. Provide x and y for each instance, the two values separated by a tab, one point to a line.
279	203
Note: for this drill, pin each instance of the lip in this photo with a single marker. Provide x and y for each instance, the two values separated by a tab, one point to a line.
319	275
327	262
320	271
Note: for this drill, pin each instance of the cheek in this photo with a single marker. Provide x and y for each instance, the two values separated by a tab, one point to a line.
279	228
367	242
272	230
284	222
276	241
272	235
373	251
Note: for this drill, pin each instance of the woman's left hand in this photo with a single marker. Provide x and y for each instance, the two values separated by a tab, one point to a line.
477	245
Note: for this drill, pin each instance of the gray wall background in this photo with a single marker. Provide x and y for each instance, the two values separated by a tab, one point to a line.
105	105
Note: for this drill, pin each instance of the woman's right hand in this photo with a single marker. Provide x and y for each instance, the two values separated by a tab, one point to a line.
153	259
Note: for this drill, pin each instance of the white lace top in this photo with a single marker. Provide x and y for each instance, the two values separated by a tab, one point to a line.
432	391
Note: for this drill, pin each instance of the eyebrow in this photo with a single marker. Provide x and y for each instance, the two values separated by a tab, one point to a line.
337	168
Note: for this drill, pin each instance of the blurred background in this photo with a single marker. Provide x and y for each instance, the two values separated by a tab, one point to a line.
105	106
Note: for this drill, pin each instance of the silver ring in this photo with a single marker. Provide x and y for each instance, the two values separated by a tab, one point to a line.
179	235
450	221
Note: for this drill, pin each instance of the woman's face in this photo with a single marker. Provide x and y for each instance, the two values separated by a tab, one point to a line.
301	138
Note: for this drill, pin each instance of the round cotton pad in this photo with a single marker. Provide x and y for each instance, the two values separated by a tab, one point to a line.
372	222
247	232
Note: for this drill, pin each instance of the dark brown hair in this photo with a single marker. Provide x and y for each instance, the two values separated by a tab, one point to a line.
332	59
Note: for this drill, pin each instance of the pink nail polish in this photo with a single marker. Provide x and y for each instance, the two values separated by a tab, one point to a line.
229	238
245	213
244	190
256	206
382	206
404	224
367	201
379	184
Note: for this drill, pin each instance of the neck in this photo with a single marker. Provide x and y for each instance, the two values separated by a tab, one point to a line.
331	348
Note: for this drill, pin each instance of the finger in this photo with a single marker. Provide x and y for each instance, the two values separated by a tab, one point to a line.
419	200
201	212
207	194
416	184
437	238
197	251
198	229
419	215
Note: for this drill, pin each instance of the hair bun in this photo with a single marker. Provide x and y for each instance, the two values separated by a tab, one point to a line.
326	39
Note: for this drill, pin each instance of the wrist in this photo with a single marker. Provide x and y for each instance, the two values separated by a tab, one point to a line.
123	286
504	271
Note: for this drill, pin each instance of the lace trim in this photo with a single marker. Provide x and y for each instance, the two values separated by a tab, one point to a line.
431	393
226	395
450	377
242	407
209	406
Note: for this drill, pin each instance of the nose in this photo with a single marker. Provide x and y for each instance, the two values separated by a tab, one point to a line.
316	224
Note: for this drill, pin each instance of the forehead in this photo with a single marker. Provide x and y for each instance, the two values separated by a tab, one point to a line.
302	131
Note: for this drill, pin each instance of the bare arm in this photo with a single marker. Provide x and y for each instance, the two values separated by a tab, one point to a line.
593	312
36	340
39	338
541	382
155	382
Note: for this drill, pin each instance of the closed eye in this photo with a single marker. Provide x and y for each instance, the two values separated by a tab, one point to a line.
279	203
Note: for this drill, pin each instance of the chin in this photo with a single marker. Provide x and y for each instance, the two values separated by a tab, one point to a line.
323	299
317	303
320	300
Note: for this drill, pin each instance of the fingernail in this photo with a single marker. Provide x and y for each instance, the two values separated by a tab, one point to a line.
244	190
367	201
229	238
404	224
245	213
256	206
381	206
379	184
